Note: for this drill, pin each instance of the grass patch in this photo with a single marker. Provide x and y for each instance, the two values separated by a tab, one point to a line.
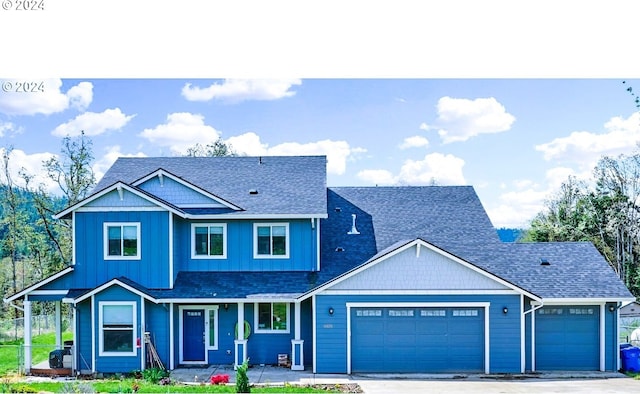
127	385
41	346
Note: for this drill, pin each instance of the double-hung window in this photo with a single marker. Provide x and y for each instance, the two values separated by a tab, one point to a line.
209	241
117	328
271	240
271	317
122	241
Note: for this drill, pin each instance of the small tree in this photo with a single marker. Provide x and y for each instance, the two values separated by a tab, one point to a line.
242	380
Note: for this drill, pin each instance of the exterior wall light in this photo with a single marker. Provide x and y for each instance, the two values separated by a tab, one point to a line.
505	310
331	311
612	308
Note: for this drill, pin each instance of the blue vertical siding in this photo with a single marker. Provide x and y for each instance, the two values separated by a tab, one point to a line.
152	270
504	330
82	341
227	320
302	248
157	324
118	364
176	193
611	351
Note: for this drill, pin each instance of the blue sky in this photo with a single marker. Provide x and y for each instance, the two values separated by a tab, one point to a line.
514	140
506	96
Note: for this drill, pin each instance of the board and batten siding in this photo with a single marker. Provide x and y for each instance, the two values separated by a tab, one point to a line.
302	248
91	269
82	340
117	364
112	200
177	194
157	325
504	329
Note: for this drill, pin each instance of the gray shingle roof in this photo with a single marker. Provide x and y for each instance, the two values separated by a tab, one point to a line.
288	185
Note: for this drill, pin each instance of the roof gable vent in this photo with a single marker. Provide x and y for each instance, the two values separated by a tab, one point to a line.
253	191
544	261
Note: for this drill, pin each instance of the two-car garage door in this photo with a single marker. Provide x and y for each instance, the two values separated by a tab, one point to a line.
417	339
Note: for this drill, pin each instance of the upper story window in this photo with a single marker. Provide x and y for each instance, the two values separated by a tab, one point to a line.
271	240
209	241
122	241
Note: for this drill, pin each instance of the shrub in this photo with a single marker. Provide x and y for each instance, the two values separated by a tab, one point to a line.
242	380
220	379
153	375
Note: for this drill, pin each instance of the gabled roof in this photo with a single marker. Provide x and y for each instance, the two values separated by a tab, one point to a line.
161	173
289	186
38	284
126	283
119	186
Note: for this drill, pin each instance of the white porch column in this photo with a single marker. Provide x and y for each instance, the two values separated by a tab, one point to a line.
58	326
240	343
297	344
27	336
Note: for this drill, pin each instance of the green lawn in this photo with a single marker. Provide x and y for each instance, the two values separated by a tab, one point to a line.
127	385
42	345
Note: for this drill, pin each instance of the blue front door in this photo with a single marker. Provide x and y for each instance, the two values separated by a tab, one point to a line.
193	335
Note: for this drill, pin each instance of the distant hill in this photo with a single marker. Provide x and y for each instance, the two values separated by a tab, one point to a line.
510	234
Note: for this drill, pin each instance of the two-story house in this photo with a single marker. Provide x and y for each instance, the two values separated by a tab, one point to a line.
225	259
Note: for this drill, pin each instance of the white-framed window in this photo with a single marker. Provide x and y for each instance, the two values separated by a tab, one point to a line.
271	317
270	240
465	312
369	312
208	240
117	325
433	312
122	241
211	323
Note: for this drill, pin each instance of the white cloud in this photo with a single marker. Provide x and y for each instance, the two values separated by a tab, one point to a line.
81	95
237	90
424	126
584	147
181	131
337	152
112	153
518	206
461	119
434	168
32	165
47	101
6	127
377	177
93	123
416	141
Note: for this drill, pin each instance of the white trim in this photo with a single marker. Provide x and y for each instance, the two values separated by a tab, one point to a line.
43	282
602	337
105	235
75	346
617	353
143	345
207	343
266	216
120	209
259	330
111	188
109	284
73	238
318	246
420	292
406	246
48	292
204	301
523	346
484	305
171	339
314	334
271	225
296	321
533	341
160	172
195	256
171	251
582	301
134	329
93	333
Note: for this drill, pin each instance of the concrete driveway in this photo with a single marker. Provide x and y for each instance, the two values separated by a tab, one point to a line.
472	386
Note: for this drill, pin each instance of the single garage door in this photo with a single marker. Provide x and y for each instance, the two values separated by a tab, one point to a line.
567	338
417	339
